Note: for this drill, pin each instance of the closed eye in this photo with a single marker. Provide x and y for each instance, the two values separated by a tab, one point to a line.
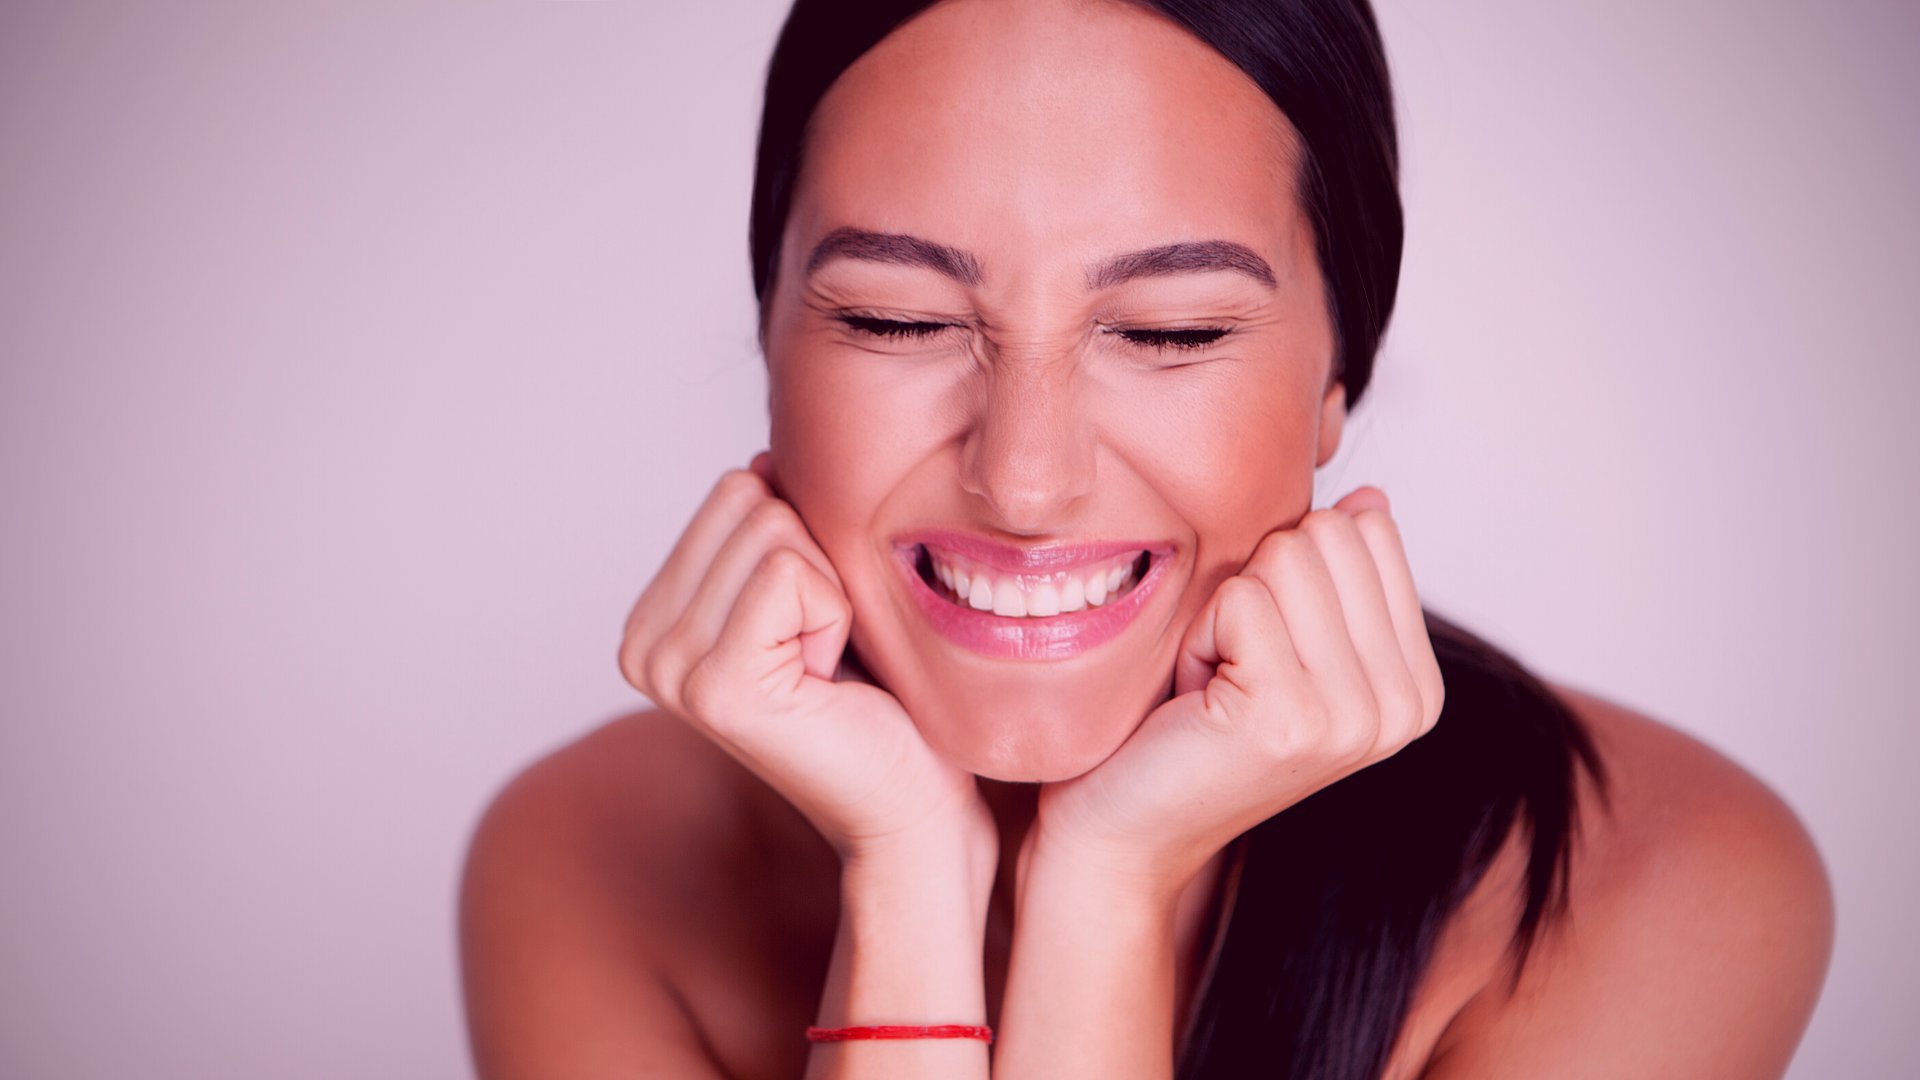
1183	338
891	328
1198	337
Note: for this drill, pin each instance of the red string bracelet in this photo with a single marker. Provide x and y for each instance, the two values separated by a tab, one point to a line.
900	1031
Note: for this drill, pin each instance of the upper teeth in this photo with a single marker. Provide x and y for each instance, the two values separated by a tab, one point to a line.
1036	595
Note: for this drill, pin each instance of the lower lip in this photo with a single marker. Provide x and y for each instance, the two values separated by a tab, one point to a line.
1051	637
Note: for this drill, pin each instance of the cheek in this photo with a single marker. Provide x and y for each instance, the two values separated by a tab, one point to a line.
1232	454
810	441
846	433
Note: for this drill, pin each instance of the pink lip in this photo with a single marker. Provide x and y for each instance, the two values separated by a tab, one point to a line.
1054	637
1036	560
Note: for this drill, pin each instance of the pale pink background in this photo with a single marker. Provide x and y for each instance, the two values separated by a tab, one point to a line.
359	362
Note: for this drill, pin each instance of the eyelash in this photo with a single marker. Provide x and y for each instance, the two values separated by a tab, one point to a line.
1183	339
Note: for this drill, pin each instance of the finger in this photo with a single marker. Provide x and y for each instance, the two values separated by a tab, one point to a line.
1237	645
763	467
771	525
1289	563
790	622
1382	536
1366	497
1376	641
733	496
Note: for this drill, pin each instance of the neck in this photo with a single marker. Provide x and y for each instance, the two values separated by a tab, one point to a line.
1014	807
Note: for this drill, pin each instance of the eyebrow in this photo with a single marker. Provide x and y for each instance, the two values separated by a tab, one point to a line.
1187	257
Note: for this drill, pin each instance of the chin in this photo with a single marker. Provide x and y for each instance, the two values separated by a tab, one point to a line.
1026	736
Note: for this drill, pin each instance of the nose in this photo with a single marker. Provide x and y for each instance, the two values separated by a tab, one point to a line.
1029	454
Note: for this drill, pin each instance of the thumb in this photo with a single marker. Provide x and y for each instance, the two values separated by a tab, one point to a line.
1236	645
1199	650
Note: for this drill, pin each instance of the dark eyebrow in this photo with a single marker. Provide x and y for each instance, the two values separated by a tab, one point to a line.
1183	258
895	248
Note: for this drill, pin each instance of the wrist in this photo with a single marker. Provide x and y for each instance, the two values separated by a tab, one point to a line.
1091	991
948	858
1135	875
913	913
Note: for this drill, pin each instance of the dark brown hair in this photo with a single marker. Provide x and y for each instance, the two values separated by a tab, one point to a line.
1320	61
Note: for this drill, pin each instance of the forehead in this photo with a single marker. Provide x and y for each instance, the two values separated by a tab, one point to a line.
1070	127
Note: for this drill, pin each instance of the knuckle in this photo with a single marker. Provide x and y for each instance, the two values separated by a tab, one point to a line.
631	659
661	669
1299	723
1241	595
1299	552
1352	743
1358	733
1286	552
1402	715
1375	521
772	519
738	485
1326	520
703	691
1334	528
1286	741
1283	540
783	564
1436	699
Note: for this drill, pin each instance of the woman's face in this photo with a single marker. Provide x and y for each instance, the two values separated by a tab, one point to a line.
1079	421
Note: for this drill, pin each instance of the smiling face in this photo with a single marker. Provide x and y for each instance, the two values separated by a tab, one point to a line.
1047	327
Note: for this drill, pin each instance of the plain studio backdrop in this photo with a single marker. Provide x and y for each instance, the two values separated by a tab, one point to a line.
359	364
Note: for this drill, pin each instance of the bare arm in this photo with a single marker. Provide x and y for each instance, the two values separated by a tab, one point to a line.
1310	664
586	875
742	633
1090	987
908	951
559	976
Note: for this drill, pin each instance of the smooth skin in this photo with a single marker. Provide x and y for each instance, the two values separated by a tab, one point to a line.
790	839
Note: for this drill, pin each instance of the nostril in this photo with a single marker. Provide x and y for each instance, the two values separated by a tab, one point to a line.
1029	460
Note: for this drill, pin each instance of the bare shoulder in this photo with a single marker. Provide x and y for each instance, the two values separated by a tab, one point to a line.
1699	927
615	886
1686	829
641	803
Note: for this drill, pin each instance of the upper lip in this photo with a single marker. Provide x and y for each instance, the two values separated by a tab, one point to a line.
1039	559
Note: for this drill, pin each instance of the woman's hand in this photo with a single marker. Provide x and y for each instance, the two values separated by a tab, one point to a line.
1310	664
741	633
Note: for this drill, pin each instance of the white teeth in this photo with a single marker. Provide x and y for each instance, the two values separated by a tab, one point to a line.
1073	595
1014	596
1043	600
1008	600
981	598
1096	589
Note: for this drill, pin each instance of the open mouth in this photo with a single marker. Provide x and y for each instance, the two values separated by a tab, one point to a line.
981	588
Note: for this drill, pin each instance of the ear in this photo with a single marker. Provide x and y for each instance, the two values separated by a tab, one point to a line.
1333	419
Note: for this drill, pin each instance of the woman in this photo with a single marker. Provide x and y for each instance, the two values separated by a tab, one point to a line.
1018	687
